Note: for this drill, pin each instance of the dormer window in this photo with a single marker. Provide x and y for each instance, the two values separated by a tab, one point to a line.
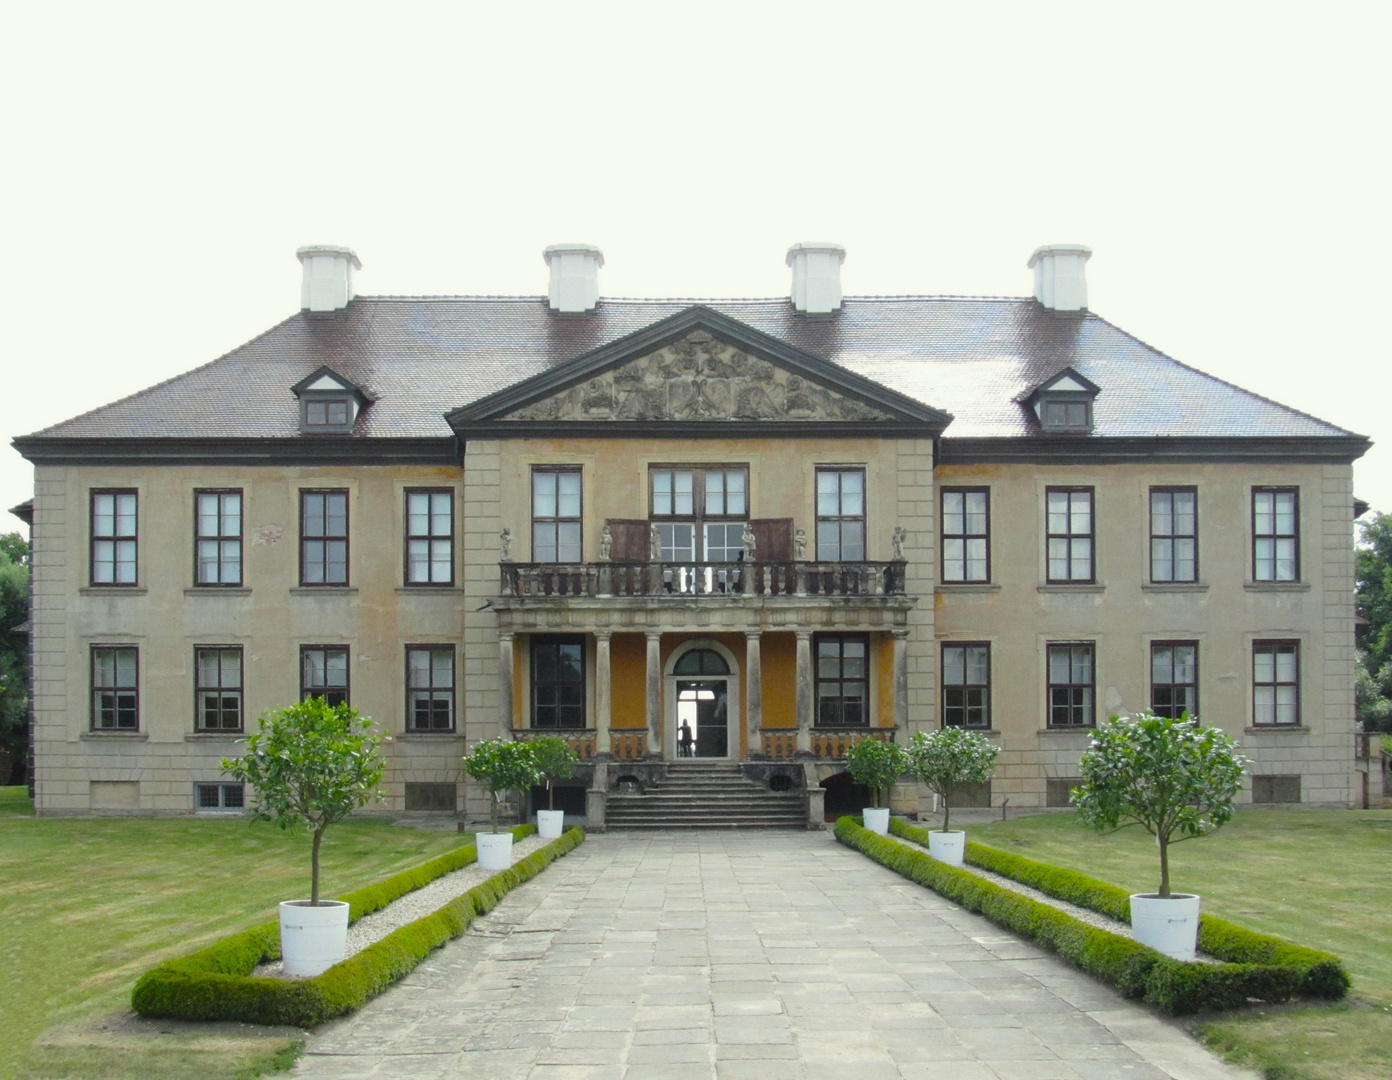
1063	403
1060	414
329	403
329	413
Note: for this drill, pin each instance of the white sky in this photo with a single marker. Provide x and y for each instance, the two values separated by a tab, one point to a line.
1227	163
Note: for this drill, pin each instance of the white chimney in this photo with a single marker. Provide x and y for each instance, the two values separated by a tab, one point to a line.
328	276
574	276
816	277
1060	281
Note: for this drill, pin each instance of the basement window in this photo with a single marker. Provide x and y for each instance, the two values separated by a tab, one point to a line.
219	798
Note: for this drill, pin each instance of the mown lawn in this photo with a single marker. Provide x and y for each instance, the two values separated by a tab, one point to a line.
87	905
1319	878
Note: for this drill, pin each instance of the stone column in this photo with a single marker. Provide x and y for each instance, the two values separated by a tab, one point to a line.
654	700
901	681
506	717
602	694
754	692
805	690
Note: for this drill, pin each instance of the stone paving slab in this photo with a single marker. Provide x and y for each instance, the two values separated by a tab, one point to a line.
732	955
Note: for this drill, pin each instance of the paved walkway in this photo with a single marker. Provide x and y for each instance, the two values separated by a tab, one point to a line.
765	955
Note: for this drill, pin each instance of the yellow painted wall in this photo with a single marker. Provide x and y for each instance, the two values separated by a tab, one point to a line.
882	664
628	662
778	661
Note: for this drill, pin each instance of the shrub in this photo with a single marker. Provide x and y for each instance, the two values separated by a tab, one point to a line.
502	765
876	763
555	760
950	756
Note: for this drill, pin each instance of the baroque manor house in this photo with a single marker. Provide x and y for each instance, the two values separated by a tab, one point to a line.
717	540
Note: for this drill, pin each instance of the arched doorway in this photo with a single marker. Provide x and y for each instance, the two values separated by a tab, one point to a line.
702	702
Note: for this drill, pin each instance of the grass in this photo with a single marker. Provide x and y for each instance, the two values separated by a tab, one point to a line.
1319	878
90	904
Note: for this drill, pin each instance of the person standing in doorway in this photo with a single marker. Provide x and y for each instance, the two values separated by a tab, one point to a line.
686	744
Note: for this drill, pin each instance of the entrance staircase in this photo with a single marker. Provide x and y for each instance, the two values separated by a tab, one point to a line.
706	795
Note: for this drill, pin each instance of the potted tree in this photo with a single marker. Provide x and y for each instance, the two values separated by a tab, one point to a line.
555	760
1177	781
943	759
501	765
311	764
877	764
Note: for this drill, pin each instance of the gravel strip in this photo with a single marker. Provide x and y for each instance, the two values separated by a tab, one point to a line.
426	900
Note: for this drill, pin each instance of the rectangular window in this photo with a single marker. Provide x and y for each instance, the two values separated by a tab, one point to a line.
113	538
324	673
1275	682
966	678
219	798
700	512
217	526
323	538
558	682
430	537
218	674
966	531
841	515
1071	685
556	515
1070	535
1275	534
430	688
115	688
843	664
1174	534
1174	678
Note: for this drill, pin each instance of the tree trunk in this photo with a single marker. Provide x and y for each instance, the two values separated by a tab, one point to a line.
550	796
493	810
946	813
314	869
1164	864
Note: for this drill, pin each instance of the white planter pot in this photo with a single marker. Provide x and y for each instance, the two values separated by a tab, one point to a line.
948	847
1169	925
877	819
494	850
312	938
550	823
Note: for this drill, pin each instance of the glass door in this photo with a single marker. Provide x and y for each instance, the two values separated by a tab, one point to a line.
703	718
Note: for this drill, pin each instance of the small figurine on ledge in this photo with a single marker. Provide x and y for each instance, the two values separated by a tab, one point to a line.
654	544
897	541
751	544
505	538
606	543
800	545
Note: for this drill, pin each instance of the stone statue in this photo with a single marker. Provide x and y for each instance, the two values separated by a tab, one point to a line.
606	543
897	541
800	545
654	544
505	537
750	543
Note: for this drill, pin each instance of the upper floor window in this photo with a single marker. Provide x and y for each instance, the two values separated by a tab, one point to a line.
556	515
558	682
966	525
1070	534
966	677
430	537
323	538
1275	534
1063	402
841	515
115	688
1174	534
1174	678
324	673
329	402
218	689
1072	684
700	513
843	664
113	538
217	542
430	688
1275	682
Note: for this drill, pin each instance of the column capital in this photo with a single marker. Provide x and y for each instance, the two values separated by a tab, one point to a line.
901	633
753	635
506	635
803	635
602	635
653	635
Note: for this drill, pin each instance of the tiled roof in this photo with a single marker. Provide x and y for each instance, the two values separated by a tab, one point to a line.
420	357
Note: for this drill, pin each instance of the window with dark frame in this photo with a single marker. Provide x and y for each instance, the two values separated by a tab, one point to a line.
1065	413
966	534
556	514
227	798
840	515
115	688
328	412
324	673
1174	678
1174	534
843	673
1275	683
1072	685
558	682
218	690
966	684
217	521
699	511
1070	535
323	537
114	538
1275	534
429	537
430	687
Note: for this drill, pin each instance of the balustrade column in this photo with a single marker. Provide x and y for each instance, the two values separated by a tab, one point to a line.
805	690
654	698
754	692
505	705
901	681
603	697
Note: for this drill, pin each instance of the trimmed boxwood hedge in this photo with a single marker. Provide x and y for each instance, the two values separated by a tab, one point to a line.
1322	975
215	983
1135	970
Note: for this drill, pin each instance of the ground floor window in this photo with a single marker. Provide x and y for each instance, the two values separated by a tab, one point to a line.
227	798
1174	678
1072	684
430	688
1275	682
219	688
324	673
115	688
558	682
842	679
966	677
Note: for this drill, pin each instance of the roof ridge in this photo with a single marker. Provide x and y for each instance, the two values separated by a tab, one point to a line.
524	298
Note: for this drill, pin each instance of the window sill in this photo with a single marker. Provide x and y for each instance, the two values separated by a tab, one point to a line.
969	586
990	733
113	590
323	590
218	590
431	590
1263	729
213	736
1277	586
1088	730
140	736
1175	586
1065	587
425	736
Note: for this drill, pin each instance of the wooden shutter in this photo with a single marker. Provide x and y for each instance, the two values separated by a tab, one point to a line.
631	543
773	539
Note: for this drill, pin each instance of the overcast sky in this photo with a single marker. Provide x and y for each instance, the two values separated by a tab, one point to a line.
1227	163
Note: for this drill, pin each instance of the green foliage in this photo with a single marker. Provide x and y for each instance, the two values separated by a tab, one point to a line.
555	760
950	756
215	983
502	765
1373	601
876	763
1176	780
14	648
311	764
13	548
